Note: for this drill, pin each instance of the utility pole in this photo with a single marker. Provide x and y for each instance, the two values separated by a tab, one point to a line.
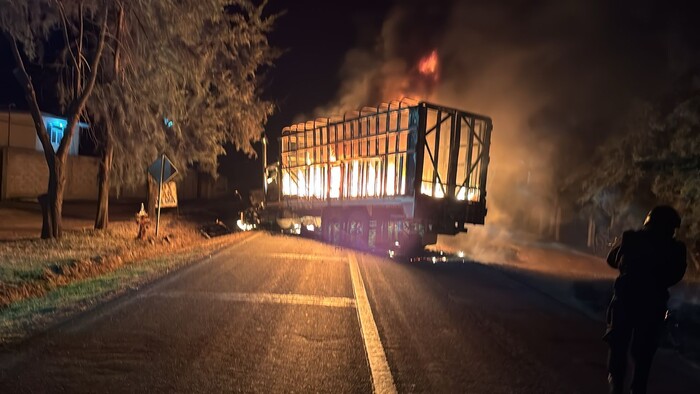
264	163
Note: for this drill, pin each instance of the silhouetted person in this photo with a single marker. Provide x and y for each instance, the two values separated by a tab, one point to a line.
650	261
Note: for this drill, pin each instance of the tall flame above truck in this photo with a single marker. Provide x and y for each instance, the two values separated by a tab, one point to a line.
428	65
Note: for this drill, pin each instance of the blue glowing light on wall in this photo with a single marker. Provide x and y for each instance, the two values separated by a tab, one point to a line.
55	128
58	123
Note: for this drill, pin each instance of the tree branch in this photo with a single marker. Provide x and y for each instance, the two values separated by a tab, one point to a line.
80	35
79	71
64	19
78	105
30	95
117	45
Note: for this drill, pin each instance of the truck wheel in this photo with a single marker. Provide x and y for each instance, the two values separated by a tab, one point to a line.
411	244
332	228
337	231
358	229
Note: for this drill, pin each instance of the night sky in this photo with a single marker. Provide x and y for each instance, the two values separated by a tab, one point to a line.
314	37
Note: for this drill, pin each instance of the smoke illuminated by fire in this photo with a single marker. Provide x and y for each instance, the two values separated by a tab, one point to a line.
428	65
550	100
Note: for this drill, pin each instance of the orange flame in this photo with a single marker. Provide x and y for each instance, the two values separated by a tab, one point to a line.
429	64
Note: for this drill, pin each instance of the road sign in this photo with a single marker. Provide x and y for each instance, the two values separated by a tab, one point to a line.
164	163
162	170
168	198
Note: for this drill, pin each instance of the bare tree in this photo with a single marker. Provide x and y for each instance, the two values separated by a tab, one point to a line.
28	24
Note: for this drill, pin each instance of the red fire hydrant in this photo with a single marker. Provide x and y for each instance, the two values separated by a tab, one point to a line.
143	221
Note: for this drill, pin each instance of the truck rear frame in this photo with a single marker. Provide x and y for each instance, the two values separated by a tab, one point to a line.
396	174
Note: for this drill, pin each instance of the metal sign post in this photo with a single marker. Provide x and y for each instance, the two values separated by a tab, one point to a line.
163	171
160	191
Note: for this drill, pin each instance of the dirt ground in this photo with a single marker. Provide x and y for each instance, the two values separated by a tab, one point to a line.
21	220
30	266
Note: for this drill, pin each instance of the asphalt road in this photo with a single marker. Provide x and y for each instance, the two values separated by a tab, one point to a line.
285	314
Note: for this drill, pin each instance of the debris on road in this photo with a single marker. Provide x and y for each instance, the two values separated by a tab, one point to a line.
216	229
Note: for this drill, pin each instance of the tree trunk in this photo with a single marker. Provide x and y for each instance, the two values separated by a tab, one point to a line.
102	218
45	216
52	202
56	190
53	199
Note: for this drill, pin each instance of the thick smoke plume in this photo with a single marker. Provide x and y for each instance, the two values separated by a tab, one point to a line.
553	75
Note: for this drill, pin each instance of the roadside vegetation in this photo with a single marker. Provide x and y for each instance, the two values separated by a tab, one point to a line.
44	280
181	78
150	77
653	159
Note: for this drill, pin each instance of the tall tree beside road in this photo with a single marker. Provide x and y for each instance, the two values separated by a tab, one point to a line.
173	76
186	83
28	25
676	167
655	159
613	182
104	111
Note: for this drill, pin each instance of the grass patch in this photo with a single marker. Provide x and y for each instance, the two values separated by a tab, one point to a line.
30	268
25	316
36	254
18	275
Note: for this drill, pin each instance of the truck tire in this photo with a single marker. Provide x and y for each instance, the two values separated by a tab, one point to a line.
332	227
358	229
411	244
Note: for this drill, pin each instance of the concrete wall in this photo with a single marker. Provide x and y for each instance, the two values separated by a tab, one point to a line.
190	186
139	193
82	177
22	133
25	175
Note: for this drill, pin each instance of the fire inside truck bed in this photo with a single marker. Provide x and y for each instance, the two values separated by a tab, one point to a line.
396	174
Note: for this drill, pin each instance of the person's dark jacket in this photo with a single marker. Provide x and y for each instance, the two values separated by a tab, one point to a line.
649	264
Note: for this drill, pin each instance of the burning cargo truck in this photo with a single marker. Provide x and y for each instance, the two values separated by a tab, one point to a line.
391	176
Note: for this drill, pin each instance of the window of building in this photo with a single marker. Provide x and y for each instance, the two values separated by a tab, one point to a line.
56	134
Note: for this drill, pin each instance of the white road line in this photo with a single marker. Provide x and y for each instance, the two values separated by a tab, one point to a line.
262	298
111	308
382	381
